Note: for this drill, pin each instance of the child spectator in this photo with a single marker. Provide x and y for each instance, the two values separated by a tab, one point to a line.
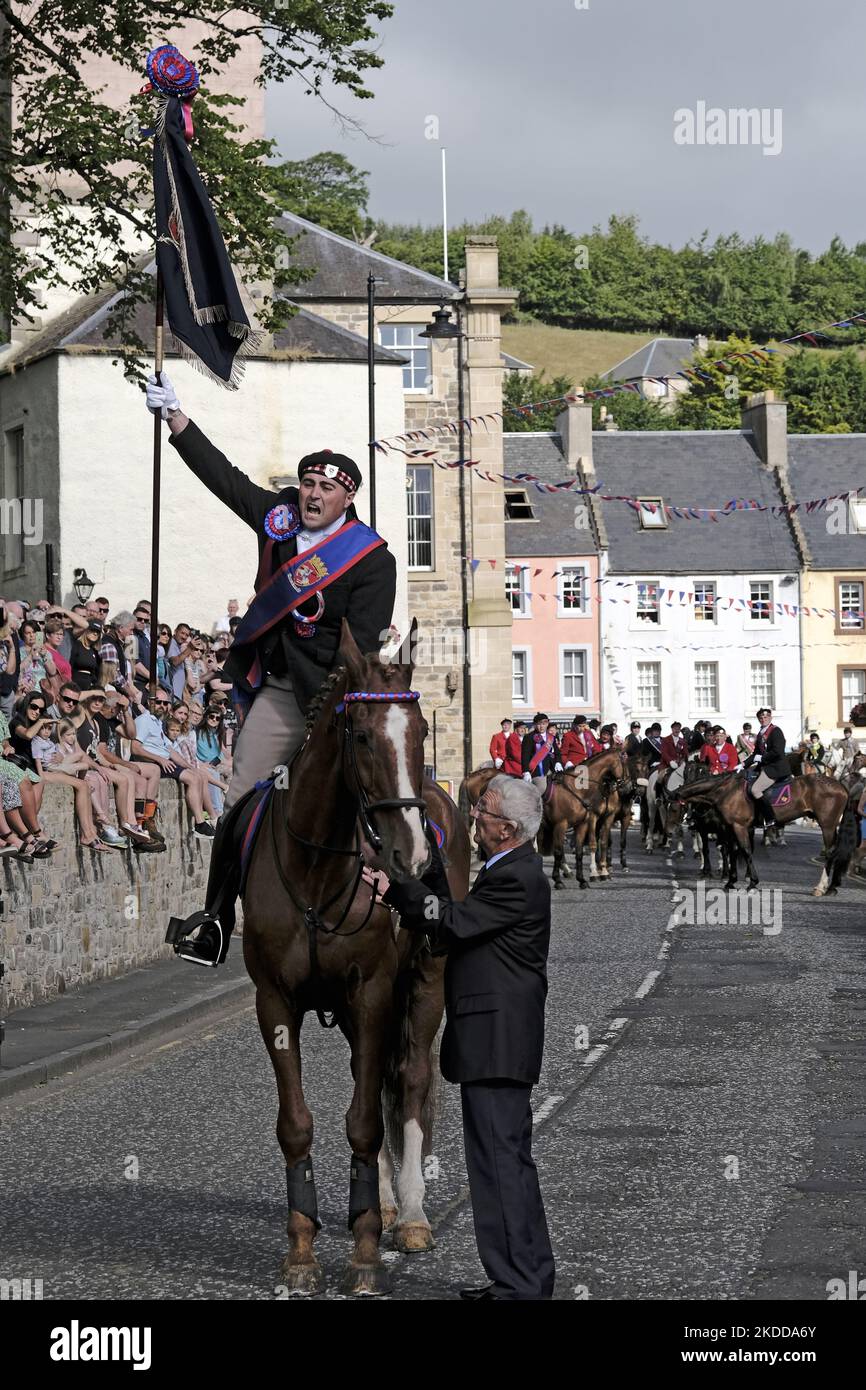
60	760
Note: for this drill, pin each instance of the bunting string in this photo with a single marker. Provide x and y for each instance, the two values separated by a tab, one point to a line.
812	336
672	598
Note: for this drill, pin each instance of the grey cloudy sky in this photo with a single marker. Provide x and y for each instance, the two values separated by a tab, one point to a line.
570	113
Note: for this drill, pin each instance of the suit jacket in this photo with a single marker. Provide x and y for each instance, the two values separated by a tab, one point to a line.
364	594
496	972
673	750
774	760
528	751
499	745
513	764
720	759
651	753
576	748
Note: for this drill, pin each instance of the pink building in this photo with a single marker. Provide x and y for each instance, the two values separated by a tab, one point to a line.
552	565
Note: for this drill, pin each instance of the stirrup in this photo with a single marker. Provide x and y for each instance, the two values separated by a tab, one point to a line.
180	929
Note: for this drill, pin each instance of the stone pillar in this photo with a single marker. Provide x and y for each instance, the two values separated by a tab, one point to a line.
489	615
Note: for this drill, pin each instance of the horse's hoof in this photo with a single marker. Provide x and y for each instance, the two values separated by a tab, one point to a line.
366	1279
389	1218
557	883
303	1279
831	892
412	1237
584	885
818	892
623	868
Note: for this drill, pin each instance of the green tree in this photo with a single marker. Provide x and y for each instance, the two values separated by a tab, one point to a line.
518	390
826	392
64	132
716	399
326	189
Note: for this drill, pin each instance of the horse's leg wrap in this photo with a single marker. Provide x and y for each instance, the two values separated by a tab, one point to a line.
301	1190
363	1189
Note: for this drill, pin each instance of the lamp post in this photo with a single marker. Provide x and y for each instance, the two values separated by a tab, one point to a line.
372	282
441	330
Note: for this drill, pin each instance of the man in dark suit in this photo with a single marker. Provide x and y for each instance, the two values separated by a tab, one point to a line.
769	755
318	564
495	990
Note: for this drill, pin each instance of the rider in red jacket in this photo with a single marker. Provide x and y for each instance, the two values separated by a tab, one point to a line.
513	764
721	755
499	743
579	743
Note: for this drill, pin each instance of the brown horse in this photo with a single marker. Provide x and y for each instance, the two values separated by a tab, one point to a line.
473	786
823	799
584	799
315	938
638	773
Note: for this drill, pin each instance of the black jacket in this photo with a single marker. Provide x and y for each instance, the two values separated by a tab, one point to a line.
774	760
650	752
496	973
364	595
528	751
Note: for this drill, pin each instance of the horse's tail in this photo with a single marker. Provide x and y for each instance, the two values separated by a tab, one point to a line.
395	1060
463	801
545	836
845	843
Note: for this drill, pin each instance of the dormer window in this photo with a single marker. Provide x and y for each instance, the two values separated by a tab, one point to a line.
652	513
517	505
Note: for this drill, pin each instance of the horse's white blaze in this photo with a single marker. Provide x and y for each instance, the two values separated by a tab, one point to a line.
397	730
410	1180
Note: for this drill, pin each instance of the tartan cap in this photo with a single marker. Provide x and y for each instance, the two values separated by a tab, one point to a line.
336	467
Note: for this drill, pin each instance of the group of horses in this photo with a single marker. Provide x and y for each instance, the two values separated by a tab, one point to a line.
589	800
318	939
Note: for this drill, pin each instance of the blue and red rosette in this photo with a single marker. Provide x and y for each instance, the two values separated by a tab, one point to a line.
171	73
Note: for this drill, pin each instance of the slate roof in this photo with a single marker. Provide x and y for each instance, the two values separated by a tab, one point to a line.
306	336
660	357
514	364
554	532
342	267
819	466
701	468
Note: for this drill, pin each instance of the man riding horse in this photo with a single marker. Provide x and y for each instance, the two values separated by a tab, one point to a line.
317	564
769	757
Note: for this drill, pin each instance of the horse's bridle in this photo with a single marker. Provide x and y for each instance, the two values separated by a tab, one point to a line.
365	805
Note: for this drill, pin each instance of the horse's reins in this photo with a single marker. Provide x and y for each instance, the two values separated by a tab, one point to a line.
312	915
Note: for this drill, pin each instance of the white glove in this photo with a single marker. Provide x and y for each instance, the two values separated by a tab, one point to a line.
568	765
161	399
527	776
739	767
756	760
497	762
557	767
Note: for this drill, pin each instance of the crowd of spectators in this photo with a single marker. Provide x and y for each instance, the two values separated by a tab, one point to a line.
77	710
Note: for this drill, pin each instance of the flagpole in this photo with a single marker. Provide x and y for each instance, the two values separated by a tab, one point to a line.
157	470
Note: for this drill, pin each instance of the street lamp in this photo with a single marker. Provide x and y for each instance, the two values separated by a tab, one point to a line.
82	584
440	331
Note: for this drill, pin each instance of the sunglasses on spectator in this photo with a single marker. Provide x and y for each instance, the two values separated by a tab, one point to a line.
161	704
70	699
213	716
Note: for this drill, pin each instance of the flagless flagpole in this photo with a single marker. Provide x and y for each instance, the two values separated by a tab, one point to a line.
157	472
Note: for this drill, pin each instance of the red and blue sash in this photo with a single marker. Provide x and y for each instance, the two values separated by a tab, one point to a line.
298	580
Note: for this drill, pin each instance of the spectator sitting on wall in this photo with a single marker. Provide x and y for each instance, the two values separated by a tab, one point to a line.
141	631
116	644
19	800
151	745
119	716
84	657
96	737
72	621
163	669
210	752
60	760
195	668
66	704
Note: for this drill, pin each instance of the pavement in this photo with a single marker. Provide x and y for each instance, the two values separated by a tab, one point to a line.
50	1041
700	1122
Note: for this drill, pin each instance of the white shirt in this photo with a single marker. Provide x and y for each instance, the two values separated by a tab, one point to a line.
307	539
493	858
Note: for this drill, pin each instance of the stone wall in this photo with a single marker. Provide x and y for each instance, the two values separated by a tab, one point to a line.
81	916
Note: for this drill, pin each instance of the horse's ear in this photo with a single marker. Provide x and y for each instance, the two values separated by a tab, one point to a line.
351	655
413	630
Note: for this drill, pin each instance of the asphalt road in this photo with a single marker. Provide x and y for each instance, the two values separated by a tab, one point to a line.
700	1123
